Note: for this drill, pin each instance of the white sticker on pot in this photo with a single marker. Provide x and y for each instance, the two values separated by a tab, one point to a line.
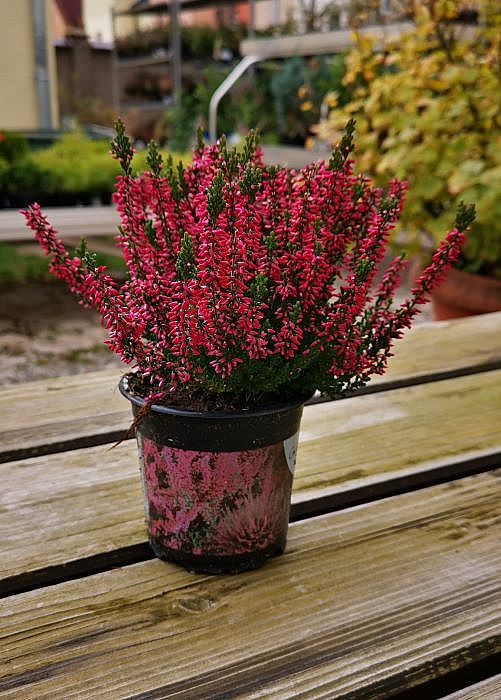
139	440
290	450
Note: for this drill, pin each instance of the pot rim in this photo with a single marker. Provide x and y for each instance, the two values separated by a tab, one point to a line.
126	392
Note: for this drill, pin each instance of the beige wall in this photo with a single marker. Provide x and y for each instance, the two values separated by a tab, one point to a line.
18	90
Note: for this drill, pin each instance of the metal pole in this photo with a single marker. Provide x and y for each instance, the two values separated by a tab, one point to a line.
175	41
41	63
116	89
221	91
275	13
251	33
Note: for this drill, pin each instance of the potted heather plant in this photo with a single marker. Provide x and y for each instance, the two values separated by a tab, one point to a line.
249	288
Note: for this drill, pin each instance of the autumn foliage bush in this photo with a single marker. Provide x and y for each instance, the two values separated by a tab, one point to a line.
427	107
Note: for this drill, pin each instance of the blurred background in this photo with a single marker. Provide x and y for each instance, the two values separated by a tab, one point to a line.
421	77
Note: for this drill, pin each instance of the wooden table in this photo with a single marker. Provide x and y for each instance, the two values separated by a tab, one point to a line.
390	586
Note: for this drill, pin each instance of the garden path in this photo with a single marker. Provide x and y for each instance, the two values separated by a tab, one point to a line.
44	332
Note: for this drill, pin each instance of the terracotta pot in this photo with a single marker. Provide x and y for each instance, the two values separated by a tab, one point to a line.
217	485
464	294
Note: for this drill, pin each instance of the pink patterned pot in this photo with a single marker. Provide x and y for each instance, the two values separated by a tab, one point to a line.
217	485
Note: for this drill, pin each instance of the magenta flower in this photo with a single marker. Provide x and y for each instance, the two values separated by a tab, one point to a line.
249	280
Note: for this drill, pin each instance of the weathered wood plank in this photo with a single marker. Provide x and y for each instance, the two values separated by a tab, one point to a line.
489	689
68	412
445	348
70	222
365	603
55	414
349	452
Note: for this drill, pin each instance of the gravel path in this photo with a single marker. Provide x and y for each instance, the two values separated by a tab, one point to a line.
44	332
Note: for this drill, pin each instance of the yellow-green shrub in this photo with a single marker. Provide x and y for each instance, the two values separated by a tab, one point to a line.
77	164
428	110
74	164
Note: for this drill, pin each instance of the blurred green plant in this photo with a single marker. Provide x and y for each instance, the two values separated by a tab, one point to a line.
281	99
74	167
197	42
77	164
427	108
20	266
13	146
298	88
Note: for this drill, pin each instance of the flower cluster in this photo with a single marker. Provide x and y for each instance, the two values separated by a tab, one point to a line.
248	280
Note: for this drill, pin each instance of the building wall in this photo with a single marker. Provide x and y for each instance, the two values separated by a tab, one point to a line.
84	73
19	101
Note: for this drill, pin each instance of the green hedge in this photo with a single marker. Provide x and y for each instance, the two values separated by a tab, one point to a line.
74	169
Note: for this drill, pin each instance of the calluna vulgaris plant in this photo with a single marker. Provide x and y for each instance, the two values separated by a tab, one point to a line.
247	282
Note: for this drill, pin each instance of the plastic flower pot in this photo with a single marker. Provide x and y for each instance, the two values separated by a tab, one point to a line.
217	485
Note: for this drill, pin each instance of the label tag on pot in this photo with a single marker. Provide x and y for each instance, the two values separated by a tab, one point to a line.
139	440
290	450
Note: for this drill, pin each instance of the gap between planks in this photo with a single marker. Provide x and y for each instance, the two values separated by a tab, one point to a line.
369	602
349	453
487	689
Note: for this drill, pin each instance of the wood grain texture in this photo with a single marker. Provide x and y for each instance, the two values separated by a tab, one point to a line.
370	438
445	347
71	222
55	414
49	415
62	507
365	602
489	689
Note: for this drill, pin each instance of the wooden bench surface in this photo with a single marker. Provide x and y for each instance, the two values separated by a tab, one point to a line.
349	451
357	607
78	411
391	580
70	222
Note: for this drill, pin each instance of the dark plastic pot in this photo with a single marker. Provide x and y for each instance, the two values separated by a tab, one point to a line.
217	485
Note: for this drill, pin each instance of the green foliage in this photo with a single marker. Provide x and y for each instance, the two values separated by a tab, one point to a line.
26	176
13	147
428	110
16	266
298	88
77	164
121	148
185	262
215	200
247	105
73	165
197	42
154	159
278	98
210	79
180	123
